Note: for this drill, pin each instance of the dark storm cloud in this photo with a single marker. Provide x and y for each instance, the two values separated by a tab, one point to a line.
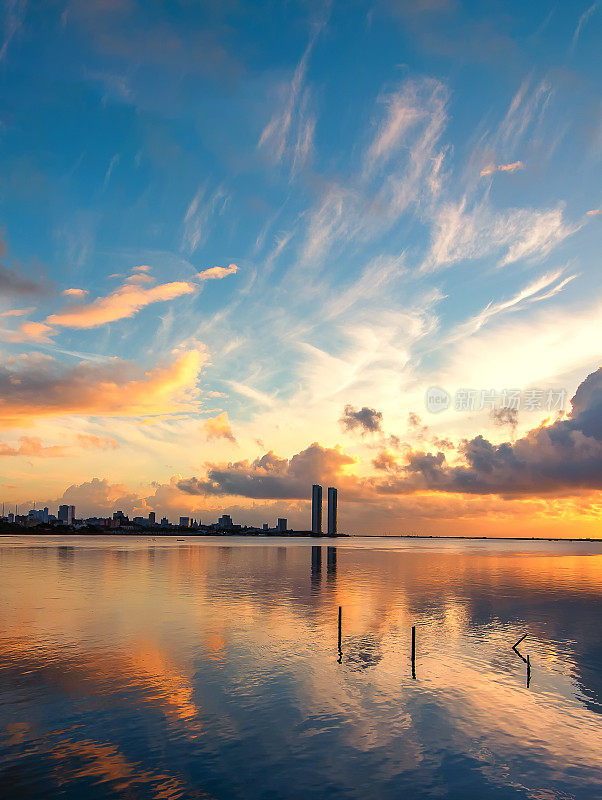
271	477
367	420
561	457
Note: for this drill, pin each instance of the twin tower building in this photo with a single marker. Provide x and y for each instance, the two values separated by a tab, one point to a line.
316	509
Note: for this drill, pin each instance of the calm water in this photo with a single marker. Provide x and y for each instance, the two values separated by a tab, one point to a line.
210	668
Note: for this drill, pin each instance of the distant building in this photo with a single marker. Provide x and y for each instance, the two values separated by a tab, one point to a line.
266	527
151	517
119	517
66	514
332	510
184	522
164	522
39	515
281	525
225	521
316	508
139	521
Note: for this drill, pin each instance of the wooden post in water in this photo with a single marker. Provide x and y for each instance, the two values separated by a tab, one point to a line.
340	659
528	671
414	652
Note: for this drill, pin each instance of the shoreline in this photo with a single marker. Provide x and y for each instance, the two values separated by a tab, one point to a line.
291	535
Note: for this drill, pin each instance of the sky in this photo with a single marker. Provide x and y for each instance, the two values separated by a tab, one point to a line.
247	247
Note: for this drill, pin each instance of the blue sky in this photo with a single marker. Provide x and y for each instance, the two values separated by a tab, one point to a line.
410	192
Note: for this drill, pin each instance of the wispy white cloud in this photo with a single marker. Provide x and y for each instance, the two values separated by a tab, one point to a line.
281	242
543	288
512	235
526	112
402	165
259	397
583	19
403	112
288	136
197	220
416	102
535	234
14	14
373	280
335	218
524	129
112	164
116	85
414	150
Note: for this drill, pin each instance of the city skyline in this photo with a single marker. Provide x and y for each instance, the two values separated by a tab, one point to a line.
250	259
66	515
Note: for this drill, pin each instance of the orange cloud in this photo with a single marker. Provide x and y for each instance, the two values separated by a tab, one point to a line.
140	278
36	331
593	212
32	446
88	441
29	332
216	273
19	312
491	168
37	386
124	302
218	427
385	461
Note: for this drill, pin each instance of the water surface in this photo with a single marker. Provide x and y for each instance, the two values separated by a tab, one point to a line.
210	668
